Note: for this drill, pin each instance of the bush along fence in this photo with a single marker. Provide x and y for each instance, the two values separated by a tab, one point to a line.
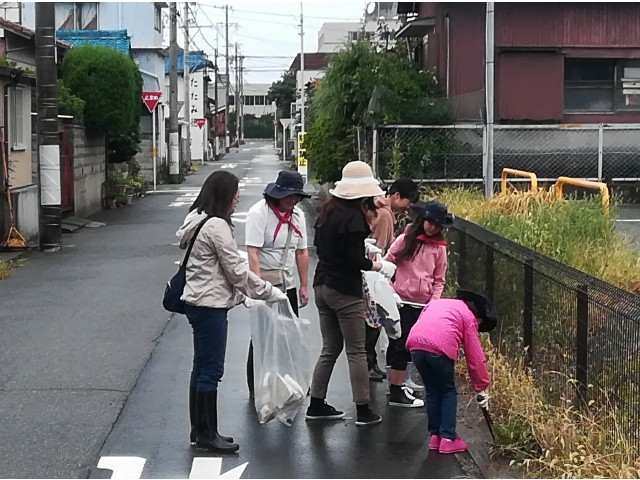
456	153
580	336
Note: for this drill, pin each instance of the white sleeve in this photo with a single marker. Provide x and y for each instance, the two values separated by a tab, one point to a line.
255	227
302	243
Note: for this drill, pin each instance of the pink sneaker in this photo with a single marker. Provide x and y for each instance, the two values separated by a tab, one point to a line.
452	446
434	443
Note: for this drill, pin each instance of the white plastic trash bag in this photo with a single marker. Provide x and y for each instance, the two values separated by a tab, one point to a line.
382	294
281	361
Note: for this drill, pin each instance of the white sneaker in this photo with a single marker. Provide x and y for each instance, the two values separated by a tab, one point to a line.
413	386
405	399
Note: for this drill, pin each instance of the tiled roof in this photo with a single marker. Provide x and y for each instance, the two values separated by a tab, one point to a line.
116	39
197	60
25	32
312	61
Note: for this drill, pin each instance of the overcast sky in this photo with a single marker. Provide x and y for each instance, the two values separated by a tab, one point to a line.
267	30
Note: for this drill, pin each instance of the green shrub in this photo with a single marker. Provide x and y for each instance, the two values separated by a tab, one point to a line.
69	104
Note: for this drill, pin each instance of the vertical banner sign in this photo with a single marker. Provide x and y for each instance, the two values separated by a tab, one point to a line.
302	155
196	109
151	99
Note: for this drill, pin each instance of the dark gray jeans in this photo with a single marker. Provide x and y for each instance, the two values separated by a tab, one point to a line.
342	325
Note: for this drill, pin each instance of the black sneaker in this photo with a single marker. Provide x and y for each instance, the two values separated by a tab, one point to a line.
375	376
402	397
324	411
367	418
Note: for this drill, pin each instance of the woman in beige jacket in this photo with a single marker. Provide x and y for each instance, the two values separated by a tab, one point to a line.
218	279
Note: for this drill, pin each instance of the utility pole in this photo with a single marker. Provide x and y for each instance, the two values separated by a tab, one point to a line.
302	92
174	150
50	221
241	102
237	102
226	38
215	113
187	87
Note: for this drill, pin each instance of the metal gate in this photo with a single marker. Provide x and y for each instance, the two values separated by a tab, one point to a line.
66	171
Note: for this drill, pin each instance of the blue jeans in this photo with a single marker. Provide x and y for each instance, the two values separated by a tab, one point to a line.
441	397
209	346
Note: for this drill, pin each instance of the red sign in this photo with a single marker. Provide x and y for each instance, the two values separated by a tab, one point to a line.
151	100
200	122
275	122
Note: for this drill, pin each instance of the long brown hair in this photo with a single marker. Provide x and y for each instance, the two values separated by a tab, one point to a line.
334	203
411	243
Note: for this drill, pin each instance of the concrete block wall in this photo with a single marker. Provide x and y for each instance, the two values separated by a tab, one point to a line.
144	157
89	170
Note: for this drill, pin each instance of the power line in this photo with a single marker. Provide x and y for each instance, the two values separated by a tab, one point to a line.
290	15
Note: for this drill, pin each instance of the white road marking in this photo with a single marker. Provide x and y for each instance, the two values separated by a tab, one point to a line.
123	467
211	467
203	468
228	165
628	220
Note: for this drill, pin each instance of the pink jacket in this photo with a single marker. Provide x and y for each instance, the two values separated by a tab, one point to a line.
420	279
443	326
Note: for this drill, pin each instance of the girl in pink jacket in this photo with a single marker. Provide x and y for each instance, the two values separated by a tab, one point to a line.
421	257
434	341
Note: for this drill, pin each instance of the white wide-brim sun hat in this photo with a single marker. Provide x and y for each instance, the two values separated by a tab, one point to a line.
357	182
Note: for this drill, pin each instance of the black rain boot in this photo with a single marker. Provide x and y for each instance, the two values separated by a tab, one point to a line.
250	377
193	417
209	438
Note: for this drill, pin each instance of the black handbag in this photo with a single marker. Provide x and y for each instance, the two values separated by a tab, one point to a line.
175	287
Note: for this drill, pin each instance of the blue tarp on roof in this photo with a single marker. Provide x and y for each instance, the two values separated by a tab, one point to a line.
197	60
116	39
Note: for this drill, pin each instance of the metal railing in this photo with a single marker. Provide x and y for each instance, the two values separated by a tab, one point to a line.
580	335
457	153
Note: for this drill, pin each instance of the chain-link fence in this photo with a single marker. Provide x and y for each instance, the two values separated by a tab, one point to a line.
455	154
578	334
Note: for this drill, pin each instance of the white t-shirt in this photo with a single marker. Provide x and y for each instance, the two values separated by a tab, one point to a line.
260	227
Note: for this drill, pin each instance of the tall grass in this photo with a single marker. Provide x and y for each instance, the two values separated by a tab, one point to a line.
5	268
575	232
553	441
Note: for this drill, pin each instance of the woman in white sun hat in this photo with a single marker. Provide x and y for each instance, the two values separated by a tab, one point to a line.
340	236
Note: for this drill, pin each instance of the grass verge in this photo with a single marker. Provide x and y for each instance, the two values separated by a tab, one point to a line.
552	441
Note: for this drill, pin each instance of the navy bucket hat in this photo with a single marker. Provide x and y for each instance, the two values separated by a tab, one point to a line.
434	212
288	183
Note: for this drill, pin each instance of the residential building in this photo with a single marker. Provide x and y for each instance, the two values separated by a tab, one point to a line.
554	62
314	67
18	110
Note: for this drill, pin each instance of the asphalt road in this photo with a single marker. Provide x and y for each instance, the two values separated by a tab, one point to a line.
92	368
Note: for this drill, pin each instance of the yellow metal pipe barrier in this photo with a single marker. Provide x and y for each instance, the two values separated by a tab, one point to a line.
517	173
604	191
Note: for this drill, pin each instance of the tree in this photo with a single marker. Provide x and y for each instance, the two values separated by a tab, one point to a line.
283	92
363	87
110	84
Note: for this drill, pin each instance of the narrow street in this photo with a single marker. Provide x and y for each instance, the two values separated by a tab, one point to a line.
92	367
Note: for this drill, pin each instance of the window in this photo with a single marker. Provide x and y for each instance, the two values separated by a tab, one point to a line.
18	137
76	16
157	18
589	84
601	85
232	100
353	36
249	100
260	100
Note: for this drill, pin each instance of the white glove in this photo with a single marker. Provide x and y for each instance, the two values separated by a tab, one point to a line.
250	302
388	269
398	300
277	295
483	399
370	247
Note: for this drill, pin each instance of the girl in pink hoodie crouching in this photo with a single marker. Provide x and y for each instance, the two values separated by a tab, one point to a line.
421	257
434	342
